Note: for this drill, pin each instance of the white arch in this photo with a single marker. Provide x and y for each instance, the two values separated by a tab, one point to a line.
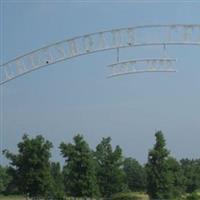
177	34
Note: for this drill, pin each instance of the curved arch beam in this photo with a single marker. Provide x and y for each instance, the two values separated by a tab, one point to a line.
141	66
175	34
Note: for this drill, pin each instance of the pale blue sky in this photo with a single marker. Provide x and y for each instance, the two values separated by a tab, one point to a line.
75	97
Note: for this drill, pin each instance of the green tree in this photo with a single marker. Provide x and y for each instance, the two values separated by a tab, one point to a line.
135	175
177	176
159	178
79	170
31	166
12	186
5	178
58	181
191	170
110	174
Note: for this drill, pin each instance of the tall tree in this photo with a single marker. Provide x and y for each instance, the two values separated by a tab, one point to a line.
31	166
110	174
160	181
79	170
135	175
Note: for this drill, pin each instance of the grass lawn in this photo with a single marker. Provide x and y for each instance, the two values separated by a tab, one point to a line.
12	197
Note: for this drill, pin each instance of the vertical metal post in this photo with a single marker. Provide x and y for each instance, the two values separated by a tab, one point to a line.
117	54
164	51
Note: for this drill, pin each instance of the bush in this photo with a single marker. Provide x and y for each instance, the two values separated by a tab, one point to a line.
193	196
129	196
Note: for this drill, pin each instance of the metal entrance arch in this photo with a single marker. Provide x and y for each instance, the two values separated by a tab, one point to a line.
147	35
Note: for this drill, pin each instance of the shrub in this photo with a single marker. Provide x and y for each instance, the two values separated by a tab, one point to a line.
193	196
129	196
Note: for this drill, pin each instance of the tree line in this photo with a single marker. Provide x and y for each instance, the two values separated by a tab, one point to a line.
102	172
